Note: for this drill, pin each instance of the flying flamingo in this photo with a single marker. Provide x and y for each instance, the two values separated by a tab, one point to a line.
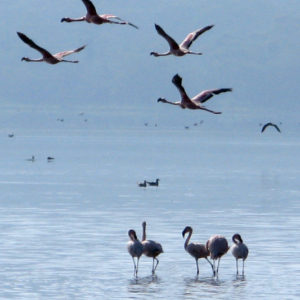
270	124
195	249
47	56
196	102
183	48
217	246
151	248
93	17
135	249
239	250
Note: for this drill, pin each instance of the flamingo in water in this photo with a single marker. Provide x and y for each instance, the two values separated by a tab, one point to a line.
151	248
93	17
183	48
195	249
135	249
217	246
47	56
239	250
195	102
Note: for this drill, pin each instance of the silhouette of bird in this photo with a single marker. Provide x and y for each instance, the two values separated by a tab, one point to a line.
143	184
270	124
217	246
154	183
135	249
47	56
195	249
93	17
196	102
10	135
183	48
151	248
31	159
239	250
50	158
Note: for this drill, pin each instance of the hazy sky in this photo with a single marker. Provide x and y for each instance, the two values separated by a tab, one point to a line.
253	48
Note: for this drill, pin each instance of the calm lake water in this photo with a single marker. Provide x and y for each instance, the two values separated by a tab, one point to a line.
64	224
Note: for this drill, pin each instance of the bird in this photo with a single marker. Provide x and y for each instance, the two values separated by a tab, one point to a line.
31	159
47	56
151	248
50	158
135	249
10	135
217	246
154	183
195	249
93	17
270	124
143	184
183	48
196	102
239	250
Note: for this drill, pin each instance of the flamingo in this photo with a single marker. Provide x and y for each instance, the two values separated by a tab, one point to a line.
196	102
154	183
195	249
135	249
217	246
183	48
239	250
270	124
93	17
47	56
151	248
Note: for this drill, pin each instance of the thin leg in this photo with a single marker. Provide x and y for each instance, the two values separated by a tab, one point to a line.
70	61
212	267
197	267
157	262
237	266
243	266
134	267
137	265
218	265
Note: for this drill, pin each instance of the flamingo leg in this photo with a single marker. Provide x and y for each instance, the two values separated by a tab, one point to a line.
137	266
157	262
237	266
134	267
218	265
212	267
243	266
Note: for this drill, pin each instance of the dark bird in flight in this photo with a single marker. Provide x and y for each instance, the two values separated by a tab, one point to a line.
47	56
183	48
196	102
270	124
93	17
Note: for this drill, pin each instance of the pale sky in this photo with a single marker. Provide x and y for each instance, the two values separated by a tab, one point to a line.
253	48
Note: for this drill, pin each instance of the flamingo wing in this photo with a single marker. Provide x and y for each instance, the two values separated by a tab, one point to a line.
33	45
68	52
91	9
277	128
191	37
177	81
207	94
173	44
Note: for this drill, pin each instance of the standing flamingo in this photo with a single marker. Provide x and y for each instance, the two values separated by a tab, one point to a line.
135	249
93	17
217	246
239	250
196	102
183	48
195	249
151	248
47	56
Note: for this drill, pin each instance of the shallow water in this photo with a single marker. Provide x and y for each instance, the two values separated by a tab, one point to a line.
64	224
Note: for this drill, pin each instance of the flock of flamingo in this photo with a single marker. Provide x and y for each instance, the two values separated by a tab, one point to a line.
215	247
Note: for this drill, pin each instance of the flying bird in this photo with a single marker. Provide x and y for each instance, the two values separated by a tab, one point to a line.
196	102
135	249
270	124
217	246
239	250
154	183
93	17
151	248
47	56
183	48
195	249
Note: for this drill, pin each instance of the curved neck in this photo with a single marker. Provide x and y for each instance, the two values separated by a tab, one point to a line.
188	239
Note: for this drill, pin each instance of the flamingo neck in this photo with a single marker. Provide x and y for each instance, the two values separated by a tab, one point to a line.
188	239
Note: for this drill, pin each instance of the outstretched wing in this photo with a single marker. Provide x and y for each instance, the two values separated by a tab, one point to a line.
265	126
65	53
91	9
171	41
191	37
276	127
33	45
207	94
